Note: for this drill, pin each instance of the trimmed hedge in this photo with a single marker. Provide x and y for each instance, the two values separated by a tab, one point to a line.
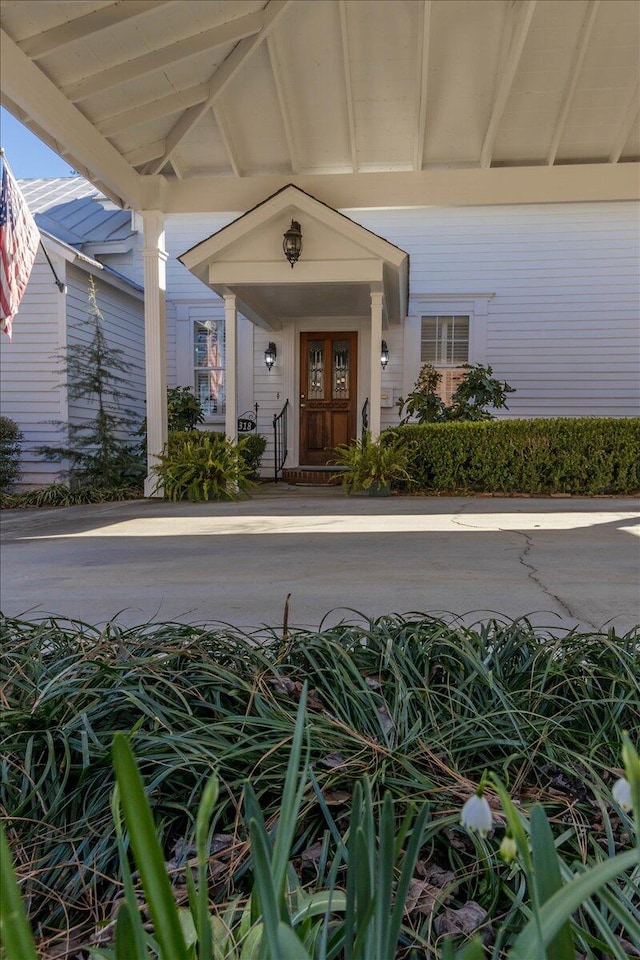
594	455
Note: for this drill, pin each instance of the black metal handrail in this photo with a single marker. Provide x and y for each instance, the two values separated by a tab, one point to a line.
280	440
365	418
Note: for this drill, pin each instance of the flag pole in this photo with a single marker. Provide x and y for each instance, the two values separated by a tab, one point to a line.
62	287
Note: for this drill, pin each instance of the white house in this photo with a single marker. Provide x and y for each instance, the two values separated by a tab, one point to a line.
546	294
465	176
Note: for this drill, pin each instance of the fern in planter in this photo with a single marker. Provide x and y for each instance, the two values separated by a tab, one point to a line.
371	467
203	466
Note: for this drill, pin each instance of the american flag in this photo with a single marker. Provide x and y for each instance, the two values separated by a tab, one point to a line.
19	239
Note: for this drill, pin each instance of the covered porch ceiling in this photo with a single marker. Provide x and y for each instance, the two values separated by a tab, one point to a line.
204	105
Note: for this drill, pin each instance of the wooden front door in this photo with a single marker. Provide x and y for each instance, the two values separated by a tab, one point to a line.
328	394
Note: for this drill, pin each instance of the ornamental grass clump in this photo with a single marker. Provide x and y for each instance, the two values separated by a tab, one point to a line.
413	707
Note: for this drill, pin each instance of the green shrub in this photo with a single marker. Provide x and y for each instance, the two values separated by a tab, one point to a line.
202	466
184	410
477	390
10	440
581	456
252	448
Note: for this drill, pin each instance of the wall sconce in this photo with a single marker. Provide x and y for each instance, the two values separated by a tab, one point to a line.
384	355
270	355
292	243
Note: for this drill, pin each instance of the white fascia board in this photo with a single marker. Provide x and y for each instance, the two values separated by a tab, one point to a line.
294	201
26	87
109	246
99	270
564	183
318	271
85	262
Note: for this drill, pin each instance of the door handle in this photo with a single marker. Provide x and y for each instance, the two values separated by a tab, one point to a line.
302	405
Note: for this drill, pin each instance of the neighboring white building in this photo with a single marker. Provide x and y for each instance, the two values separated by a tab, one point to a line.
81	232
547	294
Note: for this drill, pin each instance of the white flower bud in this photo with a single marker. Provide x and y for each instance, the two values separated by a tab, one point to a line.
508	849
622	793
476	815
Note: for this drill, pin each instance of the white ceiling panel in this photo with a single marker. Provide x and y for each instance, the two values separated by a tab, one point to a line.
307	45
24	20
255	121
463	69
298	88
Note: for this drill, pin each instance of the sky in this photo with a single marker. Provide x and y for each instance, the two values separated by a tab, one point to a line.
28	157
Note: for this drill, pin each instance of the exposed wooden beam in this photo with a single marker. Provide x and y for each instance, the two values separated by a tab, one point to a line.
561	183
276	70
424	37
145	153
164	107
524	15
177	167
633	108
231	31
50	41
24	85
269	16
572	79
346	62
227	139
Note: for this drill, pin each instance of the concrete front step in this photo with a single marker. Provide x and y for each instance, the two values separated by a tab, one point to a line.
313	476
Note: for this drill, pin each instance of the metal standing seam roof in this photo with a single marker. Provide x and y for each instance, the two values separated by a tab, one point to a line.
73	210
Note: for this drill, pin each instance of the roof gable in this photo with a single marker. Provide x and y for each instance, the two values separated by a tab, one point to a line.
289	202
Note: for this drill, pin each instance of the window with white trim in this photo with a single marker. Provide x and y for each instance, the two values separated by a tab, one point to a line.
444	343
208	349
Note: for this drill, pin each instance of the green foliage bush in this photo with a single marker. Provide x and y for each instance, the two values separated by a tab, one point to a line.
252	448
10	440
477	390
198	465
184	410
62	495
419	707
370	465
596	455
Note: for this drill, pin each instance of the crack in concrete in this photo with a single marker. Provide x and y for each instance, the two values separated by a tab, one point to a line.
455	517
534	576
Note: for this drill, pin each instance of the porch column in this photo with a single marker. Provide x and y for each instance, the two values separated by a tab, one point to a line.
154	259
231	366
376	369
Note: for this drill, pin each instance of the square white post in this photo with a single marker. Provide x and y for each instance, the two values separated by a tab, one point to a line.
231	366
155	285
375	398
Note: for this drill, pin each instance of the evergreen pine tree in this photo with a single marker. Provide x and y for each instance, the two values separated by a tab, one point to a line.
99	451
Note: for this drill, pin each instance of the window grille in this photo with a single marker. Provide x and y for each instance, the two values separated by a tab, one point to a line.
445	344
208	349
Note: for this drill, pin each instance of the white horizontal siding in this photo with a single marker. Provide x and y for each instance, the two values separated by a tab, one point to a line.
563	327
123	327
30	384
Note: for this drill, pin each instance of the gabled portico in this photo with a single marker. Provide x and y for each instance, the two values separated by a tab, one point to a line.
326	314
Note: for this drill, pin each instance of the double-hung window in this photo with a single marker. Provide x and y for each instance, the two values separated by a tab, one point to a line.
444	343
208	348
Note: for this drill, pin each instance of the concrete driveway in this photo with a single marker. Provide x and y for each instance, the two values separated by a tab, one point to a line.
563	562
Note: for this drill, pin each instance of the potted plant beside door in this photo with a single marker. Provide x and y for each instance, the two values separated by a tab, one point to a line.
371	467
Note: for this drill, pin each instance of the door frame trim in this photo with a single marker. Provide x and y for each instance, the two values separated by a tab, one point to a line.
291	361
